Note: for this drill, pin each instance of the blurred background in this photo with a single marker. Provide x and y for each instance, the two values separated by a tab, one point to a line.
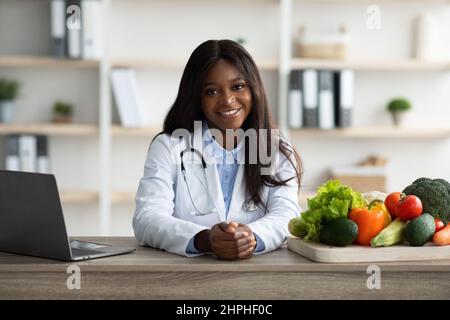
361	88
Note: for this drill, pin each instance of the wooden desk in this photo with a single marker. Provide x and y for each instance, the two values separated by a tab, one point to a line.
154	274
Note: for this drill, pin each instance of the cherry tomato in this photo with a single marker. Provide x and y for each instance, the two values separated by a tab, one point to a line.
409	207
439	225
391	203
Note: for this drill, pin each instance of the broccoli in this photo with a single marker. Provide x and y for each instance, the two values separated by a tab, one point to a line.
435	196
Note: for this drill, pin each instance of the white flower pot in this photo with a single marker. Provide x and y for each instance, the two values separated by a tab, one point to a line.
6	111
398	118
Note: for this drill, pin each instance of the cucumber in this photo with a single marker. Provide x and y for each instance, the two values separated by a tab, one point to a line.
390	235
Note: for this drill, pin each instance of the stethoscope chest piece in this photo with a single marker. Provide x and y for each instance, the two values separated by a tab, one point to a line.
250	205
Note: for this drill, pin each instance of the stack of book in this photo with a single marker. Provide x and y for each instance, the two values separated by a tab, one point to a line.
129	102
76	29
321	99
27	153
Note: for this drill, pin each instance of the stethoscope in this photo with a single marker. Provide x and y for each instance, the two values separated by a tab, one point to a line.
249	205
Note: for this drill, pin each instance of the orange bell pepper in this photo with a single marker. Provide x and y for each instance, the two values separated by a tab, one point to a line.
378	204
370	221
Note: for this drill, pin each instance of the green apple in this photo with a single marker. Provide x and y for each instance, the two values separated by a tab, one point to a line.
297	227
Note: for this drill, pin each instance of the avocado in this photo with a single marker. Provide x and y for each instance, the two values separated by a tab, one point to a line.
340	232
420	230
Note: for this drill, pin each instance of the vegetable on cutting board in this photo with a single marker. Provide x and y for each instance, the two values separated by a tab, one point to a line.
379	205
439	225
340	232
390	235
374	195
332	201
435	196
296	227
420	230
442	238
409	207
370	221
391	202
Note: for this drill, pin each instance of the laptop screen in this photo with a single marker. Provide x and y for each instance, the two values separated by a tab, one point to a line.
31	217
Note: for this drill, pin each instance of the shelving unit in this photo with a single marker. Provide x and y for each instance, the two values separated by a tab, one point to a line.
437	137
289	63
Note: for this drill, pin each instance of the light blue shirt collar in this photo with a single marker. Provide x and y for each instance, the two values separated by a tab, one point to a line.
216	150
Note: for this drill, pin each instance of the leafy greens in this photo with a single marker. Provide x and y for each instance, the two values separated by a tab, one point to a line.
332	201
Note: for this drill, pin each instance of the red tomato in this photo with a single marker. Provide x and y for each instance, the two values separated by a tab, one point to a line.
409	208
391	203
439	225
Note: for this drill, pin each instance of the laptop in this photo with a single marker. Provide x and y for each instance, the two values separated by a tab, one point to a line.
32	221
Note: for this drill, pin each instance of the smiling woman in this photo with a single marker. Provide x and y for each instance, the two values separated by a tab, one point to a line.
231	208
226	98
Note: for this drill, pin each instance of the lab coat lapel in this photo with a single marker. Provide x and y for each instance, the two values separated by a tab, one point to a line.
238	195
214	184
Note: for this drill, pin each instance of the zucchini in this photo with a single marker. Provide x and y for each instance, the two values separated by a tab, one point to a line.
390	235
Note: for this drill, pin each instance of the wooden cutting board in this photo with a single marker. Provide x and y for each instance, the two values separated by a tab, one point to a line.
353	253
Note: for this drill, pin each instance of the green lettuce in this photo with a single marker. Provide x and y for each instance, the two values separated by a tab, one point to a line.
332	201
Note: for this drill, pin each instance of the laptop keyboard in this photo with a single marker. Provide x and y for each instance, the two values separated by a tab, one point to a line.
81	248
83	252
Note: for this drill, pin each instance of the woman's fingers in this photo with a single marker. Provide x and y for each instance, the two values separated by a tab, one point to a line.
247	254
234	244
226	227
218	233
223	250
232	241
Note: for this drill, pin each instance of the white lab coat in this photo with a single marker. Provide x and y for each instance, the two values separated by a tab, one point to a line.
164	216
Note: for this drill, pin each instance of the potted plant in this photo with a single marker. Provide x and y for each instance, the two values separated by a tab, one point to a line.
9	90
397	107
241	40
62	112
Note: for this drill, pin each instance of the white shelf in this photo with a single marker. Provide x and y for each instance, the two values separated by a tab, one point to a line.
92	197
75	130
43	61
123	197
175	64
120	131
78	197
373	133
50	129
370	65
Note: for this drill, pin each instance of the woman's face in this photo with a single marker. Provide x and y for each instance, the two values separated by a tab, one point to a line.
226	97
